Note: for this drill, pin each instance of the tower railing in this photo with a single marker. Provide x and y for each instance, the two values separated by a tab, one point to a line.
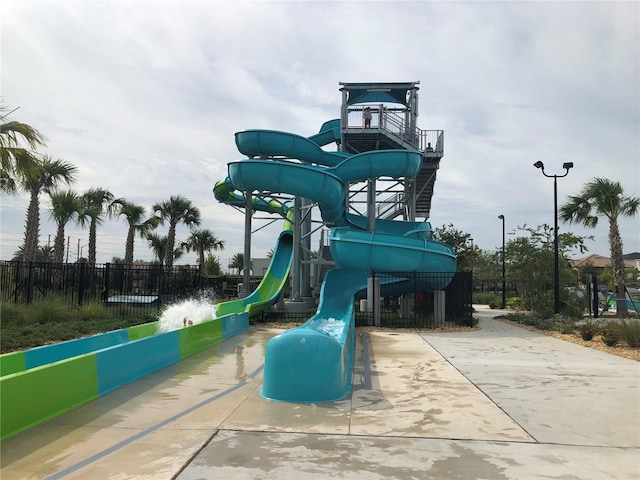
394	124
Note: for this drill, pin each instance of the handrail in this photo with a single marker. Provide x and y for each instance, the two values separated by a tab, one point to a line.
392	122
389	204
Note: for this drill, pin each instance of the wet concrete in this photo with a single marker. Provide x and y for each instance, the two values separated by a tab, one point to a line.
497	403
148	429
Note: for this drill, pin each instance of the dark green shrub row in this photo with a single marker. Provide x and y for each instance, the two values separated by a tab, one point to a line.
611	333
51	320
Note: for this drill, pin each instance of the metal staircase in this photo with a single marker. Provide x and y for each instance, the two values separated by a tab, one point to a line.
393	126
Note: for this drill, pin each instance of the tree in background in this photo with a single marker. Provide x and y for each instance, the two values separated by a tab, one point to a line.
44	254
603	197
237	261
461	242
134	215
96	203
177	209
43	175
212	266
607	277
201	241
158	246
531	258
65	207
18	141
487	267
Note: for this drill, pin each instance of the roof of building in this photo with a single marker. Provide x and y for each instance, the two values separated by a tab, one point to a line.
594	260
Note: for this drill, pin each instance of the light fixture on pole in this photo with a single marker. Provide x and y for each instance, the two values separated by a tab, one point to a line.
567	166
504	270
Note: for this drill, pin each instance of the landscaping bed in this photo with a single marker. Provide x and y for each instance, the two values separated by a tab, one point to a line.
621	349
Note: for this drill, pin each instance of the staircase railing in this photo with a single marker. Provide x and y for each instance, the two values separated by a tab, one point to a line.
394	124
391	206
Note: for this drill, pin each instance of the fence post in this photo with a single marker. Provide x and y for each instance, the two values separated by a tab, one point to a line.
160	272
439	307
105	286
83	271
373	299
596	291
16	283
30	284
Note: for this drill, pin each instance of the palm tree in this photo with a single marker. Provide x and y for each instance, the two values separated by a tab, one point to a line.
134	216
96	202
17	141
44	254
202	241
43	175
175	210
65	206
603	197
158	245
237	261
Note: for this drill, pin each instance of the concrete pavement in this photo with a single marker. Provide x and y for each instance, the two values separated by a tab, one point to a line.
496	403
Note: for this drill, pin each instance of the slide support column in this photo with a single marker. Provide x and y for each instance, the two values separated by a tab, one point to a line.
246	268
295	270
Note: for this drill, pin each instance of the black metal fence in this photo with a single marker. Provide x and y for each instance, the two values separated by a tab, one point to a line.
404	302
412	304
126	289
493	285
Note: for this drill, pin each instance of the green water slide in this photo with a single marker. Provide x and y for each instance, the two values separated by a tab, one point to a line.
268	291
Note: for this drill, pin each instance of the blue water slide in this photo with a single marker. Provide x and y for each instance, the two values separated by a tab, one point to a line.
329	133
382	252
268	291
313	363
259	143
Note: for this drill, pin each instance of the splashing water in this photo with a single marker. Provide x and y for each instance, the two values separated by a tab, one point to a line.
196	311
331	326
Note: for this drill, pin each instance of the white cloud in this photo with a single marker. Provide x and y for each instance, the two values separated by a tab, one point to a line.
145	98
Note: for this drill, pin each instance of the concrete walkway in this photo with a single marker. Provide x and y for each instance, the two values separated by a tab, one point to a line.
497	403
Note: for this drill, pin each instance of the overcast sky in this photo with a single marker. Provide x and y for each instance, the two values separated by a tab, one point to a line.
145	97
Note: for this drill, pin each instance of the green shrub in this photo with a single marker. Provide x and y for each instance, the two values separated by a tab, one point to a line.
630	332
487	298
495	303
92	310
516	303
567	327
573	306
12	314
513	317
48	310
587	330
544	323
542	303
530	320
610	334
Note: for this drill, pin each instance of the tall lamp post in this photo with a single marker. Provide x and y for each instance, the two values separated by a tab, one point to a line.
567	166
471	264
504	270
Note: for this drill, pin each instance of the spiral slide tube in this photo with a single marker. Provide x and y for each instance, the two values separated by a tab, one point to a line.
313	363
